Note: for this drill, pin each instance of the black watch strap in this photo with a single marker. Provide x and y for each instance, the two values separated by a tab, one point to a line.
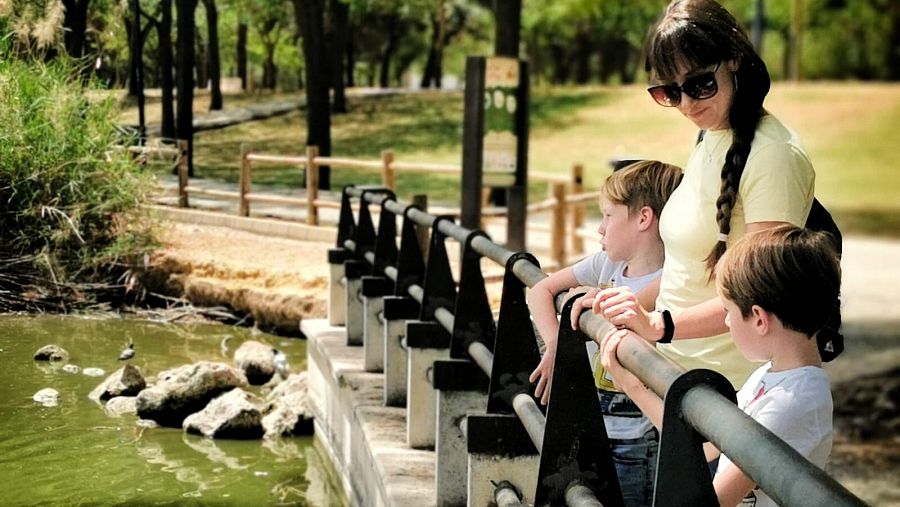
668	327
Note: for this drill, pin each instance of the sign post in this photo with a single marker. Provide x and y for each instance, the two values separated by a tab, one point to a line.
495	140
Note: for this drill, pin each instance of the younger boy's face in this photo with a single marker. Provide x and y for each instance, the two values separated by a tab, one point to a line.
748	342
618	231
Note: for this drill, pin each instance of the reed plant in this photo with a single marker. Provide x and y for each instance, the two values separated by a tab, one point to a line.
70	203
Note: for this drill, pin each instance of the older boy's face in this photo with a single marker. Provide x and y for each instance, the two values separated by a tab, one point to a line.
618	231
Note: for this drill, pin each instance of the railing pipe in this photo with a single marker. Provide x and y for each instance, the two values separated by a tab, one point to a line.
532	418
579	495
507	495
482	356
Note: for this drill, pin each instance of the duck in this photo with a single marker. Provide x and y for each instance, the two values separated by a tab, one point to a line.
128	352
281	363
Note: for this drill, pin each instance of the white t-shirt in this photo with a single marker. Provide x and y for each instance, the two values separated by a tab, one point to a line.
796	406
777	185
595	270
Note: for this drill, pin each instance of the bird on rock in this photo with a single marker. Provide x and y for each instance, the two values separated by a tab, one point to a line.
127	352
281	363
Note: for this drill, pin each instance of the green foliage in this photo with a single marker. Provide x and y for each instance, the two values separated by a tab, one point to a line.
70	203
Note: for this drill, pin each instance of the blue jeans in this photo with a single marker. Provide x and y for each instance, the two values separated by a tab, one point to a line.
635	461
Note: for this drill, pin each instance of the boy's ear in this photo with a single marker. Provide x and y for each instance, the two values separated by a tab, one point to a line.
645	218
760	319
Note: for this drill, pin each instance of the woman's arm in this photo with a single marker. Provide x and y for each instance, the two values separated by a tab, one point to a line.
541	300
622	308
649	403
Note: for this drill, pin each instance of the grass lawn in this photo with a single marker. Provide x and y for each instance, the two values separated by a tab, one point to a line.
851	130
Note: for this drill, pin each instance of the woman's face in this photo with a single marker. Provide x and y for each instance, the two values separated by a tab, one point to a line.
711	113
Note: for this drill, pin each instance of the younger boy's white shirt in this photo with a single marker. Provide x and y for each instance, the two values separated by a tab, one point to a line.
796	406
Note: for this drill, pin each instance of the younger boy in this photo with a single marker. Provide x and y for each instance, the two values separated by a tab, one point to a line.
632	255
778	287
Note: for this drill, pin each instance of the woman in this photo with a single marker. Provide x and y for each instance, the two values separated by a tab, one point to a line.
747	173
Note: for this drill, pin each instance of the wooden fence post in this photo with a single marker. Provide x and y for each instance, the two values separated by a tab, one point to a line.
421	200
244	205
387	171
578	210
558	227
182	169
312	185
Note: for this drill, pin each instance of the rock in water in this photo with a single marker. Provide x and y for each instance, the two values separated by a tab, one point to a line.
51	353
257	360
288	412
71	368
231	415
181	391
93	372
126	381
47	397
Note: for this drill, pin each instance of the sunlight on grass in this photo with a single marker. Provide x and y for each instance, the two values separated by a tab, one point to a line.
851	131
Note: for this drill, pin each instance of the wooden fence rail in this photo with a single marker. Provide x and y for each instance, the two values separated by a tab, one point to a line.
566	201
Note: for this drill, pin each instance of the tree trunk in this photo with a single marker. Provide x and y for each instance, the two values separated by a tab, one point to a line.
433	67
507	20
130	31
185	76
164	33
200	59
213	62
242	53
270	70
340	18
75	25
389	49
351	59
310	14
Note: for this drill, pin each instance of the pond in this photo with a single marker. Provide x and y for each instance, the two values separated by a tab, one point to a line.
75	453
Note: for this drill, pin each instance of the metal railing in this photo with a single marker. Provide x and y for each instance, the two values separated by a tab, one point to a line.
475	385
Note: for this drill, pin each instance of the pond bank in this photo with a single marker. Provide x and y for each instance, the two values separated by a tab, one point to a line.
275	281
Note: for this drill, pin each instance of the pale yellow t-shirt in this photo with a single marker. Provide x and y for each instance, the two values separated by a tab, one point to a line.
777	185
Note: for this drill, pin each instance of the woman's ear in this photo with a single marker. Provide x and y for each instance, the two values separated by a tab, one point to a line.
734	64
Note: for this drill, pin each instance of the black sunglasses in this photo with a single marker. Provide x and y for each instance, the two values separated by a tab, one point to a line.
700	87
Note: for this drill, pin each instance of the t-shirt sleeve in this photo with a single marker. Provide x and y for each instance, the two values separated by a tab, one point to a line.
588	270
777	185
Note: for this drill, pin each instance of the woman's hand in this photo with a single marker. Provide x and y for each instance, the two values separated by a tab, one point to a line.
580	304
620	306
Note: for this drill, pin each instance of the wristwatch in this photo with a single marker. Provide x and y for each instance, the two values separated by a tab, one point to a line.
668	327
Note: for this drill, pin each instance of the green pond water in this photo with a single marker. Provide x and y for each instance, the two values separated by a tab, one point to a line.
76	454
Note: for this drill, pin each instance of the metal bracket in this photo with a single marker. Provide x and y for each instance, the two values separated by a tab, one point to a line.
346	222
576	447
386	241
365	229
473	318
410	261
516	352
439	289
683	477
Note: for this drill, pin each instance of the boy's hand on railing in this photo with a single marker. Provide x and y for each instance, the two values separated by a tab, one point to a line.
620	306
543	374
624	379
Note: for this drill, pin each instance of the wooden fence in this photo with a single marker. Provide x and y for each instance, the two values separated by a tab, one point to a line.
566	201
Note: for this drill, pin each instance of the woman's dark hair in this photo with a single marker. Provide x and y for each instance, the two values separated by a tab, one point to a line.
701	33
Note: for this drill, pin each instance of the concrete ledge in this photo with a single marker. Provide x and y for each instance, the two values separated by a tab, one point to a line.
366	440
266	227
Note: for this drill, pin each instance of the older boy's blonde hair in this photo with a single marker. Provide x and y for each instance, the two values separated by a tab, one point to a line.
791	272
644	183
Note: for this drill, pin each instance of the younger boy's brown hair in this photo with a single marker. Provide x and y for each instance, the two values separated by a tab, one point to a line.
644	183
791	272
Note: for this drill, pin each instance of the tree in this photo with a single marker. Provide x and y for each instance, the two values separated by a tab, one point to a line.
444	28
241	52
338	37
310	16
269	19
75	24
213	62
185	117
166	79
